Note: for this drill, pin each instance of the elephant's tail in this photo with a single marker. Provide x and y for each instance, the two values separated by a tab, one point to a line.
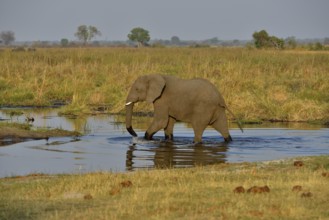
238	121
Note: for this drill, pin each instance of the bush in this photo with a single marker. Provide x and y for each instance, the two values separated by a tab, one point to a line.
263	40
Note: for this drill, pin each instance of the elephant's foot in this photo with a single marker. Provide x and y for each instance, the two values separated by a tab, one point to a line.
148	136
169	137
228	138
197	140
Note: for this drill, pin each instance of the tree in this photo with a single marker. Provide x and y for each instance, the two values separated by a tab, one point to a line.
175	40
263	40
213	40
326	41
276	42
318	46
140	35
7	37
64	42
291	42
86	33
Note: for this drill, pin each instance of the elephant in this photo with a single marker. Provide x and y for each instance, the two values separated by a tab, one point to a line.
196	101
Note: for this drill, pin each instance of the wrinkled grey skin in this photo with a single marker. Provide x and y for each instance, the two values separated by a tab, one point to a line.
195	101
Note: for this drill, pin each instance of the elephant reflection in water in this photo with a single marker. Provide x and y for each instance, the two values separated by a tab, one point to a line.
167	155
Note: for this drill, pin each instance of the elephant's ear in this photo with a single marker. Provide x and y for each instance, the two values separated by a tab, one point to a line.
155	87
222	102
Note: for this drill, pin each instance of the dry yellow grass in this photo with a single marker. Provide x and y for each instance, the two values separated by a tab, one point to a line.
293	191
257	84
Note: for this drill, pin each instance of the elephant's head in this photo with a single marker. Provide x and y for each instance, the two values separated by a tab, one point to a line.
146	88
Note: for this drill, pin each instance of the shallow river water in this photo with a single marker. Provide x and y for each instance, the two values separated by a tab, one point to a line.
107	146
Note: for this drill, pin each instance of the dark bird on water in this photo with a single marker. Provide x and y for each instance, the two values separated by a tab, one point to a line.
29	119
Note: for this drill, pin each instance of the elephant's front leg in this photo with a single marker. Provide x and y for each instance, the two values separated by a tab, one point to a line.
169	130
160	121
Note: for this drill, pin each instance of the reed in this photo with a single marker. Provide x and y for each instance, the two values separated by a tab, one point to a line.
295	188
257	84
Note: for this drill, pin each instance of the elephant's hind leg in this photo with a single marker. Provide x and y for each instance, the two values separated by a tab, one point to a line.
221	126
198	126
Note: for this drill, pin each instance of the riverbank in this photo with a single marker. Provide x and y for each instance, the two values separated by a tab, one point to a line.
285	189
14	133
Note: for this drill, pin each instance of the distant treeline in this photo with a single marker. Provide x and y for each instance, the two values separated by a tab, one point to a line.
290	43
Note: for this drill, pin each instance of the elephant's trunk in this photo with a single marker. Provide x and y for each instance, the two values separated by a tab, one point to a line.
129	114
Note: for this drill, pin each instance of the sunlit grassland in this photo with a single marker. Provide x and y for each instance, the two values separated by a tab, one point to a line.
191	193
257	84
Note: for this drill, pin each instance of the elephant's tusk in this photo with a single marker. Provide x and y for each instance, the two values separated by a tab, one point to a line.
128	103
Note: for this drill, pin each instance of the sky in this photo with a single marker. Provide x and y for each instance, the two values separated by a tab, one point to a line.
52	20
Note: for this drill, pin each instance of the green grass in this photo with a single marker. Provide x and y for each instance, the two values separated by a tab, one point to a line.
193	193
257	84
22	131
21	126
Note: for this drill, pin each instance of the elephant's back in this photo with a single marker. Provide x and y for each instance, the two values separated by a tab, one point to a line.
195	90
207	91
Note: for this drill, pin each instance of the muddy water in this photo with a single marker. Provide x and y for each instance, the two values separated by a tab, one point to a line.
106	146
